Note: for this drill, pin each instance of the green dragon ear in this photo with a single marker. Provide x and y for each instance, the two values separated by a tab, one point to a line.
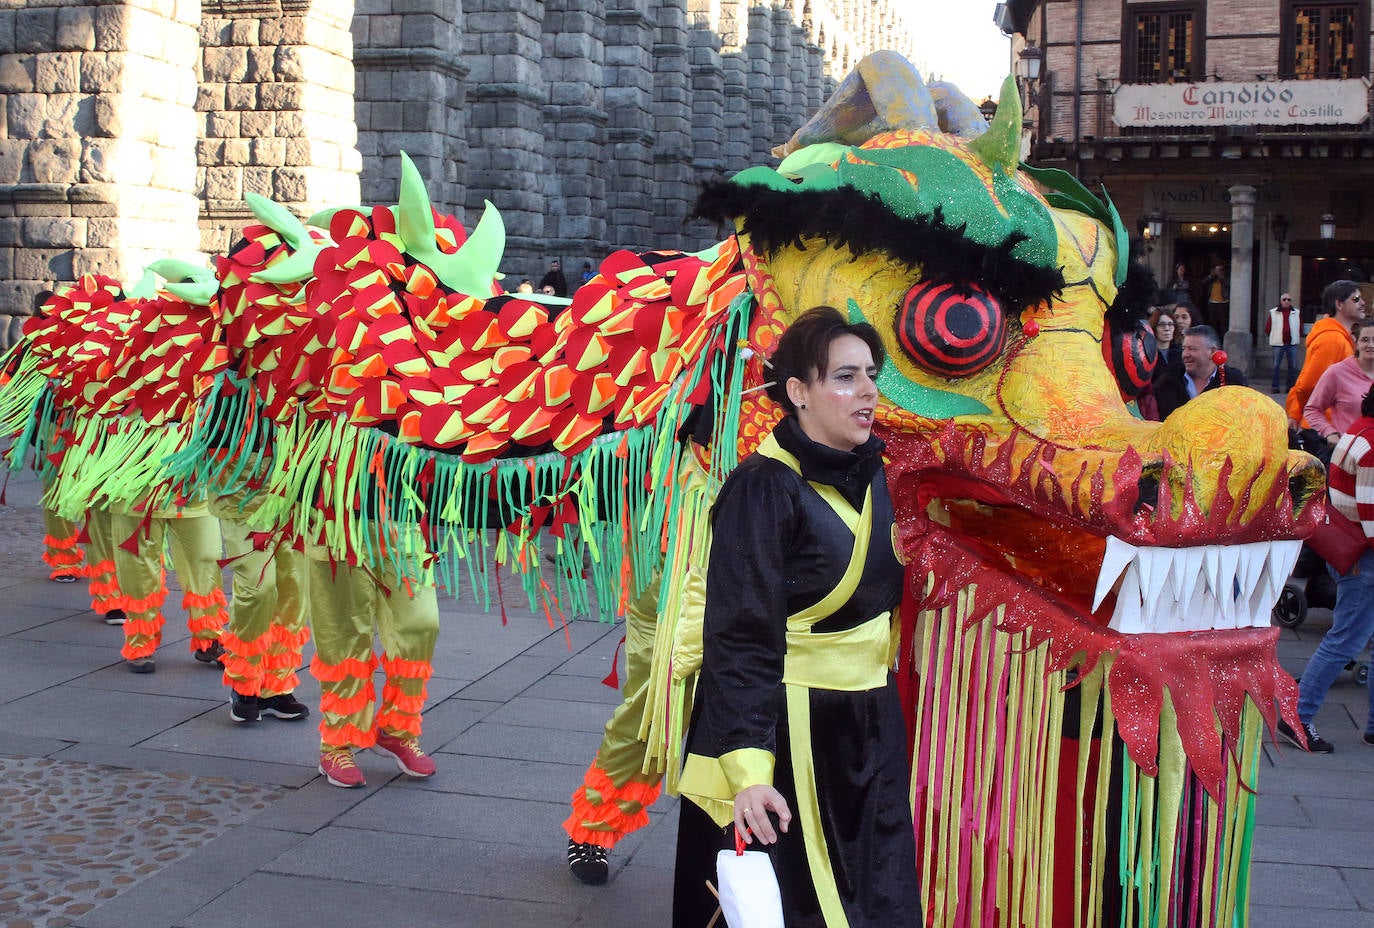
469	270
191	282
1000	146
279	219
145	289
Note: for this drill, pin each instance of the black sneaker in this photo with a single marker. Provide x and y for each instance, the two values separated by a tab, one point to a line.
587	862
212	655
243	708
1316	744
141	665
114	617
283	706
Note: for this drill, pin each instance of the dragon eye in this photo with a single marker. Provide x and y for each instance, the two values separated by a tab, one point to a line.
951	331
1131	355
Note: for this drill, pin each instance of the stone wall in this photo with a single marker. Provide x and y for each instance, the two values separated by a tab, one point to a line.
131	129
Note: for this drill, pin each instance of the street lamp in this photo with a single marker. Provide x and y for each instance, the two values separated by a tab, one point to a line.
1154	225
1328	227
1031	57
1278	225
988	108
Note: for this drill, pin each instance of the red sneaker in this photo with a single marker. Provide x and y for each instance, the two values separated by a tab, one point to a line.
339	769
406	750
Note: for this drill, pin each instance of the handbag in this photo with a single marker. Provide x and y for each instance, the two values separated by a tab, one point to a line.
1338	541
749	895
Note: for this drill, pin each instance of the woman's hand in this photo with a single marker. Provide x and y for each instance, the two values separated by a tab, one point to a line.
752	805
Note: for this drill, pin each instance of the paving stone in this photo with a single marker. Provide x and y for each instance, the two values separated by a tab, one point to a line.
535	712
563	686
74	834
188	764
1300	886
1328	847
448	815
1361	886
1269	916
91	715
511	678
474	775
525	743
296	902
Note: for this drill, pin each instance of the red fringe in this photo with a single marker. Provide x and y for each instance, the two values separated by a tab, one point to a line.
240	648
399	700
348	669
399	722
347	705
346	735
400	667
614	815
292	640
203	600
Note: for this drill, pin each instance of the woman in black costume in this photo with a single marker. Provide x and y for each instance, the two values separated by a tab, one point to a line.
797	737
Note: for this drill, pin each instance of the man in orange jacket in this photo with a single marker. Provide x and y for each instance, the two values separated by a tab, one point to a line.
1329	342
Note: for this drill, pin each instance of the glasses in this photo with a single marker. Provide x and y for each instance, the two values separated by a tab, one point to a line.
1285	300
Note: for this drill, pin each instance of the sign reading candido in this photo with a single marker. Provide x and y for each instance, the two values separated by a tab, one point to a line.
1252	103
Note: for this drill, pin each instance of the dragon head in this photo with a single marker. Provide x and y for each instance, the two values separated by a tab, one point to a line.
1018	465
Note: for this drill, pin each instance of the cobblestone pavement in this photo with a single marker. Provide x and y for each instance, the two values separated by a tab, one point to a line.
75	835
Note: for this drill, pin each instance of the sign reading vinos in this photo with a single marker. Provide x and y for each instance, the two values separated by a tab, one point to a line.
1252	103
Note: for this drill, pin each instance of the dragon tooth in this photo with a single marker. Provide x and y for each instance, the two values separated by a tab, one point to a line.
1228	559
1128	618
1156	564
1211	568
1114	560
1189	568
1282	556
1201	611
1251	567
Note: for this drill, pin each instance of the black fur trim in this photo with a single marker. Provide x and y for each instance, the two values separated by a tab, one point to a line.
850	218
1135	296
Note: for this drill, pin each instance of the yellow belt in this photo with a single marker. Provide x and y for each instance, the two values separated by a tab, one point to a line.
854	659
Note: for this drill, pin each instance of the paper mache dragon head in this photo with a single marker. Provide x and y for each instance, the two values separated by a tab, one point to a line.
1074	571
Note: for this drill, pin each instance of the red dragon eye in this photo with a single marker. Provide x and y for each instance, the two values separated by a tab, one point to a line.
951	331
1131	356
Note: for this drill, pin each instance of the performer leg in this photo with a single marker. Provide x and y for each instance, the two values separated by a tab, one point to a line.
289	635
141	579
253	595
341	621
196	547
408	625
61	550
107	600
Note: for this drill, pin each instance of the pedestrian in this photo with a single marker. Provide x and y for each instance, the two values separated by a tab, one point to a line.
1284	328
1336	400
554	278
1329	342
1180	286
1352	618
1184	315
1217	286
587	272
1197	372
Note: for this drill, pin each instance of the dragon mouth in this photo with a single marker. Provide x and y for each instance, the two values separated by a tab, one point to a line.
1193	589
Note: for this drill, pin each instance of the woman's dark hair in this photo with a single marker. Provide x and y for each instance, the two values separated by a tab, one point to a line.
803	351
1367	405
1338	291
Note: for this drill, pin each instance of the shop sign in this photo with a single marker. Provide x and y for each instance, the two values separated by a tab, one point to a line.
1252	103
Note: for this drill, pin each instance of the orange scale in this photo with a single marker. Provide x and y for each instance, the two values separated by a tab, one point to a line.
443	427
483	446
534	423
655	289
509	355
577	434
648	405
590	313
555	385
587	349
347	224
420	280
518	382
409	430
518	319
592	396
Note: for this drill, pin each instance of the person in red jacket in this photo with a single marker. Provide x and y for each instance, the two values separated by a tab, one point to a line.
1329	342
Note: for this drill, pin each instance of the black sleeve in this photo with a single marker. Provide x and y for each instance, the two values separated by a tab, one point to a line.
744	635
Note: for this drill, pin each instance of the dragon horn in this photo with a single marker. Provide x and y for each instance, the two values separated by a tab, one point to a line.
279	219
1000	146
472	268
190	282
145	289
414	212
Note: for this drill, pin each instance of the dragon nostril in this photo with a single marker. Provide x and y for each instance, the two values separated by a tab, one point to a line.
1300	487
1148	487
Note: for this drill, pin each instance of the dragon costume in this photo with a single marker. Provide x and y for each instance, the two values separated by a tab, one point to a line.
1084	650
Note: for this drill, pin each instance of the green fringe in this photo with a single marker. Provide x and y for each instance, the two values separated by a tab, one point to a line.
24	402
115	462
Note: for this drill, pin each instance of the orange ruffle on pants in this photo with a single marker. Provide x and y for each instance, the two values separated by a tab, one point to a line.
347	606
101	578
603	813
61	546
194	541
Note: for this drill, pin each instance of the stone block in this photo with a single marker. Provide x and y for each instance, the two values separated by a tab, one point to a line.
209	97
97	157
50	232
290	125
43	264
34	29
514	69
244	31
257	124
261	65
256	180
285	30
75	28
280	96
17	73
298	152
107	112
289	63
210	151
67	115
386	116
241	96
54	161
101	71
289	185
236	153
111	24
267	151
228	64
222	125
416	117
384	32
11	160
223	184
25	112
7	18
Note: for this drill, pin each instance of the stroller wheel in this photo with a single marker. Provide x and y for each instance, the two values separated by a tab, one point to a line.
1290	610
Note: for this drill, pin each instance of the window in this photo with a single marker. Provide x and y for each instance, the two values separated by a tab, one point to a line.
1164	43
1322	40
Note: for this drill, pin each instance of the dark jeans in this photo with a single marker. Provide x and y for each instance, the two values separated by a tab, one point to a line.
1283	353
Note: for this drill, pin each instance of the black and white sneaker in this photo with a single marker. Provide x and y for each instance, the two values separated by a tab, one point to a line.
283	706
1315	742
211	655
114	617
243	708
587	862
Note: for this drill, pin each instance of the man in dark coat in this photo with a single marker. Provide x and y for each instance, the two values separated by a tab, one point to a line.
1197	373
554	278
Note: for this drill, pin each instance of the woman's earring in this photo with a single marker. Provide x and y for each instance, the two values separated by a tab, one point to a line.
803	406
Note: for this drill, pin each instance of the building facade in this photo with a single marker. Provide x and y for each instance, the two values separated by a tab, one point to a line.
1231	133
130	130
